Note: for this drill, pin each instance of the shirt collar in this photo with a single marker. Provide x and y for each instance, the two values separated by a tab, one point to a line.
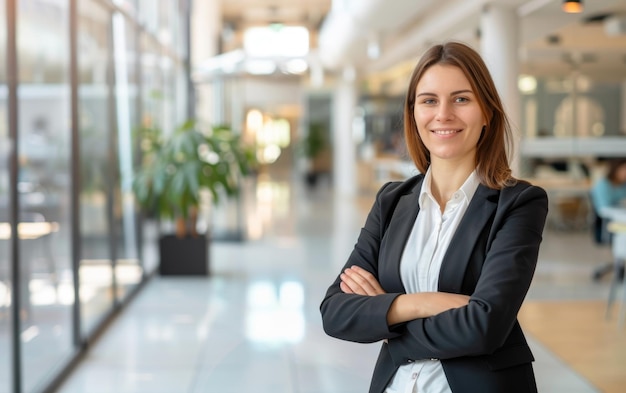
467	190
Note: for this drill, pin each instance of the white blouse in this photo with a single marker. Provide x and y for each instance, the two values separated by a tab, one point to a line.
419	270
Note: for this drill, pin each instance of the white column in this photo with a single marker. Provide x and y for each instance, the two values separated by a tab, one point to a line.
344	151
206	27
499	44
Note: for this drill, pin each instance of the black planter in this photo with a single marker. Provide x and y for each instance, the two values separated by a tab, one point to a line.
188	256
311	179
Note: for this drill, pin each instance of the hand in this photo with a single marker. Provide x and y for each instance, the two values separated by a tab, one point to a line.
359	281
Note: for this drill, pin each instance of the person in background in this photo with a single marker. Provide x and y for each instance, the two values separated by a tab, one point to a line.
610	191
445	258
607	192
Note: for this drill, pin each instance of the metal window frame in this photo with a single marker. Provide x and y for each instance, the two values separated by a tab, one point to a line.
80	340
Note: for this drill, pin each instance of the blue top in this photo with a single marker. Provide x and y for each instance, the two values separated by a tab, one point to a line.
604	194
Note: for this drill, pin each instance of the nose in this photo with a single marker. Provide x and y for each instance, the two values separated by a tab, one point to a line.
444	111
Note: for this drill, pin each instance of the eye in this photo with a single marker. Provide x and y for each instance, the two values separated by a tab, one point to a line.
429	101
461	99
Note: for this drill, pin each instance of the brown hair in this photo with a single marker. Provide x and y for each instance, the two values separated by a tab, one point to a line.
492	164
614	166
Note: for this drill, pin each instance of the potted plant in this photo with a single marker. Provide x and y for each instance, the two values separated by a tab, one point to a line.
175	169
311	147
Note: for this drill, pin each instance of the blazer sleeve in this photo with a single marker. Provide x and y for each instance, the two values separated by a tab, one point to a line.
484	324
354	317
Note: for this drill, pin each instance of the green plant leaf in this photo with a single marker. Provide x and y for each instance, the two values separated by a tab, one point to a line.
177	165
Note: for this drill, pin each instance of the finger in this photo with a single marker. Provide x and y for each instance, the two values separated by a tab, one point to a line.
370	283
365	286
355	282
345	288
354	286
366	275
349	286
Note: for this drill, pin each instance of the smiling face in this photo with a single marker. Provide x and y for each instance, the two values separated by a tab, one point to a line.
447	114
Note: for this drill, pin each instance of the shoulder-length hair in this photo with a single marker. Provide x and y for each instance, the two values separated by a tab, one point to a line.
494	145
614	167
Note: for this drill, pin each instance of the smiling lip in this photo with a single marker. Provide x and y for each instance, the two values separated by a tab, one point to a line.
445	132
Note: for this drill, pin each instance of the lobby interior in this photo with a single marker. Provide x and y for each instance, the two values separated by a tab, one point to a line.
67	114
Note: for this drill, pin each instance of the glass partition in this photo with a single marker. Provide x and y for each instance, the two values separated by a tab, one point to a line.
570	106
5	255
123	81
128	271
571	124
96	143
152	115
44	181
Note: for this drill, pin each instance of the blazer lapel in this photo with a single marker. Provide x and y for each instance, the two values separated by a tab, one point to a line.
478	214
397	235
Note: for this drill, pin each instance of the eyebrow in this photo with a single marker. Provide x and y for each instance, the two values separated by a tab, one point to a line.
465	91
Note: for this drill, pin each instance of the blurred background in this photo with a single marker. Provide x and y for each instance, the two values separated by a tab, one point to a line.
315	90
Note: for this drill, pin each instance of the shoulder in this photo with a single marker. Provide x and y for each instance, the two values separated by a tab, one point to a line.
395	189
523	191
523	203
390	193
521	186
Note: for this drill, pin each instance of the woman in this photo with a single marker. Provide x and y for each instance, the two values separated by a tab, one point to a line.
610	191
606	193
445	259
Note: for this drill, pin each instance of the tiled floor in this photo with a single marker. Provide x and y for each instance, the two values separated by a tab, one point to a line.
254	325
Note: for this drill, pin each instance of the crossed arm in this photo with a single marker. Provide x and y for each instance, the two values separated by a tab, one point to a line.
405	307
437	324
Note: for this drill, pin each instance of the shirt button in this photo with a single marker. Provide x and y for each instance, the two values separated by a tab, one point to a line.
414	376
410	361
434	359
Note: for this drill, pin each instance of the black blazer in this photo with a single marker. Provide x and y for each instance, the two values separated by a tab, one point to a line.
491	257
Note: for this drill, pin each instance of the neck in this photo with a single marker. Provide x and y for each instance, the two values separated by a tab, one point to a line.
447	179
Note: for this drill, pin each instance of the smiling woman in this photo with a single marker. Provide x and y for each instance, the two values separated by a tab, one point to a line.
449	120
445	258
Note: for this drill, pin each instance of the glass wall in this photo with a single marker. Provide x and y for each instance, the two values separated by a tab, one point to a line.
96	172
44	178
151	97
5	255
126	74
128	271
572	106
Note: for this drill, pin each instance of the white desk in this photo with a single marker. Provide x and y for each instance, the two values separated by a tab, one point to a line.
614	214
28	230
617	227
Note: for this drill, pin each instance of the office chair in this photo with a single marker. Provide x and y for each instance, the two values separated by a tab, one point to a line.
602	236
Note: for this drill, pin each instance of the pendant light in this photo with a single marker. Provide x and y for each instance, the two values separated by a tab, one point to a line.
573	6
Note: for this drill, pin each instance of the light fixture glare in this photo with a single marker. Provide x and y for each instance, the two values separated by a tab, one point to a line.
573	6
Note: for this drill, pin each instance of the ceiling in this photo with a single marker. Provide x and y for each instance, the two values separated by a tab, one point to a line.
552	42
238	15
254	12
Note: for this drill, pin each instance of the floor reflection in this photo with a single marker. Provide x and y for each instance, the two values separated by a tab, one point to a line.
275	313
254	324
